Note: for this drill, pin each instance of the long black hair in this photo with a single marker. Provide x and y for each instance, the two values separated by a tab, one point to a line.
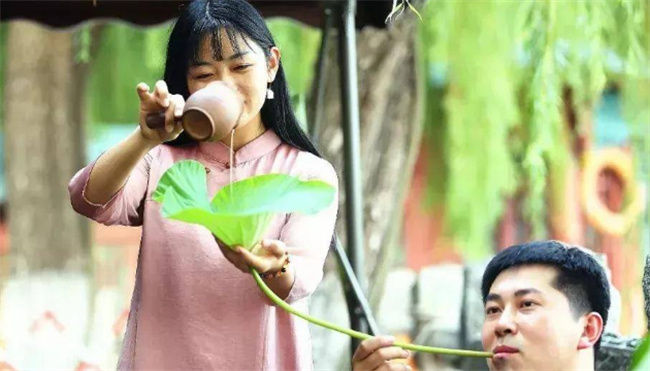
201	18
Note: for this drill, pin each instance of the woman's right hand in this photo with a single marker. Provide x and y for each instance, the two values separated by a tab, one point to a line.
154	103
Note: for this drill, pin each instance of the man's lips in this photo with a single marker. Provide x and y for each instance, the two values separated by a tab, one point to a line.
505	349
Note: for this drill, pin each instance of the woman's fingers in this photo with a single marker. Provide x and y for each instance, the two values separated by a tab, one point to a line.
179	104
269	258
219	242
275	247
143	92
161	94
233	257
272	258
147	99
260	264
174	112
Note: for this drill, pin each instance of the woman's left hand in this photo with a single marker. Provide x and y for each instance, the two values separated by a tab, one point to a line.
267	256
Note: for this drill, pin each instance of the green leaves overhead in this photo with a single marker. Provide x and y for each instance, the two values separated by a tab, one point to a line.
500	70
496	74
481	109
543	104
299	45
240	212
126	55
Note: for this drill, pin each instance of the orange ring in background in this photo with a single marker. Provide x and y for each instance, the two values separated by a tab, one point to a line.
598	214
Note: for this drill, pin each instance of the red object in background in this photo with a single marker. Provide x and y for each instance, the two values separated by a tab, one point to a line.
46	318
610	189
622	255
116	235
423	225
4	366
85	366
4	238
507	227
102	235
566	217
120	324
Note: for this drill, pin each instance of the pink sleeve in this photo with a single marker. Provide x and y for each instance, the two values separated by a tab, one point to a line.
308	239
124	208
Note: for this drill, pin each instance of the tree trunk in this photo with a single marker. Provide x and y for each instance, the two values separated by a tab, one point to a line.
390	97
43	118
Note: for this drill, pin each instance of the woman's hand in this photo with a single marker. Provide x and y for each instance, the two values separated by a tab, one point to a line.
154	103
268	256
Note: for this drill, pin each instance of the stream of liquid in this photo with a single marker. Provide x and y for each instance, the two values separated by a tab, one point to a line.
232	155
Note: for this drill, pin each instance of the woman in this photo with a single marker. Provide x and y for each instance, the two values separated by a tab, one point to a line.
192	308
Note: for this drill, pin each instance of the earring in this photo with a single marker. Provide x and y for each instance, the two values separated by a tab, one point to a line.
269	92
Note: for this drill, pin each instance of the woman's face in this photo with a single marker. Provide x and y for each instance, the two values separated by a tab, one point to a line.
245	69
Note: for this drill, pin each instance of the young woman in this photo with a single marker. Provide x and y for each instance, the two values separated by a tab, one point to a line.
192	307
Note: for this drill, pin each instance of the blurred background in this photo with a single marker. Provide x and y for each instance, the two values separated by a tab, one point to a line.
485	124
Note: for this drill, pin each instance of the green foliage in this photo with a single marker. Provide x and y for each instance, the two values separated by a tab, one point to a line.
496	75
126	56
82	39
240	212
436	28
544	124
481	110
299	46
636	81
503	67
641	356
434	147
636	84
636	110
635	26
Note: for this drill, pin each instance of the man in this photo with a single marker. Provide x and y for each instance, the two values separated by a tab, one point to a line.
546	305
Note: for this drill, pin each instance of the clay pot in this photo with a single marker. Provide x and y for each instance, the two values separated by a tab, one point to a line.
210	113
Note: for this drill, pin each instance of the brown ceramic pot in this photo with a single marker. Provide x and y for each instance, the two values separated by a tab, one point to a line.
209	114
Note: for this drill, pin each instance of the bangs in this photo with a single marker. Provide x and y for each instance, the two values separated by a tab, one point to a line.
215	29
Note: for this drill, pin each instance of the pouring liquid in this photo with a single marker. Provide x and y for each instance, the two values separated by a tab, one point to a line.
232	155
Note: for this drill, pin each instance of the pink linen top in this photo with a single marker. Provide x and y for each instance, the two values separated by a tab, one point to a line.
192	309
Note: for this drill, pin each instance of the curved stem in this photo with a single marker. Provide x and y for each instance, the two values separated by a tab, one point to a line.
356	334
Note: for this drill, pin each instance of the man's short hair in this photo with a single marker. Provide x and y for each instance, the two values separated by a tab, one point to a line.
580	278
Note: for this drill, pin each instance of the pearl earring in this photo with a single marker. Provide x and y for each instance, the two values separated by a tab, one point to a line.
269	93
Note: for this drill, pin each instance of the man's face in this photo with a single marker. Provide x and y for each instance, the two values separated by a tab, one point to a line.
528	323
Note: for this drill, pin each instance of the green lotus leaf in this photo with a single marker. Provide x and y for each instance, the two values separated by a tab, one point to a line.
240	212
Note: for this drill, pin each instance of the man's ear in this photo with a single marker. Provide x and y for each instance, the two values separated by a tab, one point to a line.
274	63
592	330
